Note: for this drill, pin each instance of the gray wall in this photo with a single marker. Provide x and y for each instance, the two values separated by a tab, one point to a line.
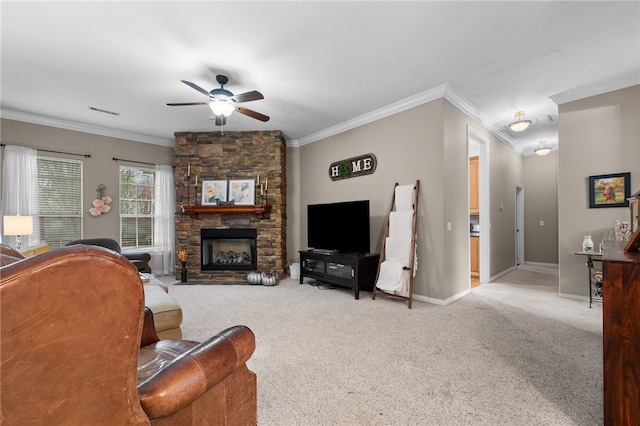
598	135
429	143
540	178
98	169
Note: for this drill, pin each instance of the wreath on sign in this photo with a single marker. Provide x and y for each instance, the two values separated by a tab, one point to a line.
344	169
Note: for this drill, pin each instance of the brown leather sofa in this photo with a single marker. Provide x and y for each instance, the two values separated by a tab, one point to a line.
78	348
138	258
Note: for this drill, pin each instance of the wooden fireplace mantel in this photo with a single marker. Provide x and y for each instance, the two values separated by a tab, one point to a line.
259	211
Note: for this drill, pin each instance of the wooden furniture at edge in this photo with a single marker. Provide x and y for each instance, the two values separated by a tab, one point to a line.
354	271
621	335
258	210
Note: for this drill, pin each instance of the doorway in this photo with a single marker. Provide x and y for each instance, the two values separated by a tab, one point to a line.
519	224
478	144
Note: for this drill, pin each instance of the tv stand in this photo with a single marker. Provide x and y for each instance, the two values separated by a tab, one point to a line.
350	270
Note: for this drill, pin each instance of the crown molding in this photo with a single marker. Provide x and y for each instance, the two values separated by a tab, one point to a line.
85	128
394	108
616	83
459	101
445	91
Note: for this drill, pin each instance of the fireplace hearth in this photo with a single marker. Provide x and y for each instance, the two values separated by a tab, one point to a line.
228	250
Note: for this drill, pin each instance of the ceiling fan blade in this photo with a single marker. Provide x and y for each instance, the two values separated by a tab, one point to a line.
195	86
187	103
248	96
253	114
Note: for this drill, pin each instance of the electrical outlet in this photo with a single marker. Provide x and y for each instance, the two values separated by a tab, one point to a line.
542	223
448	226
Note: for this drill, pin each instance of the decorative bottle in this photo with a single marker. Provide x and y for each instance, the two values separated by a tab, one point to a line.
587	243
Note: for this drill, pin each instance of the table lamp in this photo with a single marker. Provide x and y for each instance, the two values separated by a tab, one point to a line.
18	226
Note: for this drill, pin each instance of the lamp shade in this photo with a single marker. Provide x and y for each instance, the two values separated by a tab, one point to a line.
222	107
18	225
543	149
520	124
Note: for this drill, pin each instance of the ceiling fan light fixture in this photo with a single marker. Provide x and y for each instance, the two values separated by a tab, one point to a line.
543	149
222	107
519	125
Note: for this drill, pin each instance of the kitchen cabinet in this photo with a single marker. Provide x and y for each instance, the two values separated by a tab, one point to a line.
474	189
475	258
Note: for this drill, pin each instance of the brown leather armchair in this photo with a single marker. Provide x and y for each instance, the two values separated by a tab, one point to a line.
138	258
77	348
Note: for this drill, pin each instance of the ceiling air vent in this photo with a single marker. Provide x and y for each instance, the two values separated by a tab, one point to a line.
545	119
103	110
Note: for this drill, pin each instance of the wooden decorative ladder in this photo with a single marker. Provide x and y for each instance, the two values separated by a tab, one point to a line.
409	268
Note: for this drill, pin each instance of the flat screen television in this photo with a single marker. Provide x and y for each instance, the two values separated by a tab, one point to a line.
341	227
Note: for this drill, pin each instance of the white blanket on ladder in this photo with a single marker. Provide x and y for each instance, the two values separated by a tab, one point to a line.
404	196
401	224
393	278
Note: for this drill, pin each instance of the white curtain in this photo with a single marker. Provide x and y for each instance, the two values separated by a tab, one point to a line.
163	262
20	190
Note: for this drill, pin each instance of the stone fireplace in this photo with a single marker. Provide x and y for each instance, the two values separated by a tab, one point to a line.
231	156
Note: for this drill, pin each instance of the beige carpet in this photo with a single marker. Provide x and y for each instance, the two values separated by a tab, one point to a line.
510	353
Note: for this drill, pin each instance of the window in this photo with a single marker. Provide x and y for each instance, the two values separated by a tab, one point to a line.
60	200
137	206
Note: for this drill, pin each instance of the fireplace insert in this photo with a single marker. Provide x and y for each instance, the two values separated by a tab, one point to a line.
228	249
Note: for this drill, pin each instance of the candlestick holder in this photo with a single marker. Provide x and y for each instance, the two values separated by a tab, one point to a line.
260	193
188	190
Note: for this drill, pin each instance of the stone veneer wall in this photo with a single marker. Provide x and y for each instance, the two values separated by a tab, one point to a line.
232	155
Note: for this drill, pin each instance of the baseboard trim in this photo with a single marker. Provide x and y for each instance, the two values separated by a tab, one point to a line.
500	274
441	302
542	265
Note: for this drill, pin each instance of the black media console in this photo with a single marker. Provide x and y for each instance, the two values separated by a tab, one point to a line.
355	271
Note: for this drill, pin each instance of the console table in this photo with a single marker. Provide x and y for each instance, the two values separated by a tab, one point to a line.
354	271
595	290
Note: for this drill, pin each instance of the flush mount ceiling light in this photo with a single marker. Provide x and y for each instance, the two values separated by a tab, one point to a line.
520	124
543	149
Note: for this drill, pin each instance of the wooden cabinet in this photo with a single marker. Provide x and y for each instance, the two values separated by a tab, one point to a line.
474	188
621	334
475	257
345	270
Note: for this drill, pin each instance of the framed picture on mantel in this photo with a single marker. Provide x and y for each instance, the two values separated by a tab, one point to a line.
213	191
242	191
610	190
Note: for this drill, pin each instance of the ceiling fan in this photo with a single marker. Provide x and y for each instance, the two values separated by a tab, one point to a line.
223	102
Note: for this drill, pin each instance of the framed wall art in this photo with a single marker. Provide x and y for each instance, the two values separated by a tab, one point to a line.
610	190
214	192
242	191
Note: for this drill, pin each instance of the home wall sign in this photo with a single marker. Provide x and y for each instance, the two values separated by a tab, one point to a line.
353	167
